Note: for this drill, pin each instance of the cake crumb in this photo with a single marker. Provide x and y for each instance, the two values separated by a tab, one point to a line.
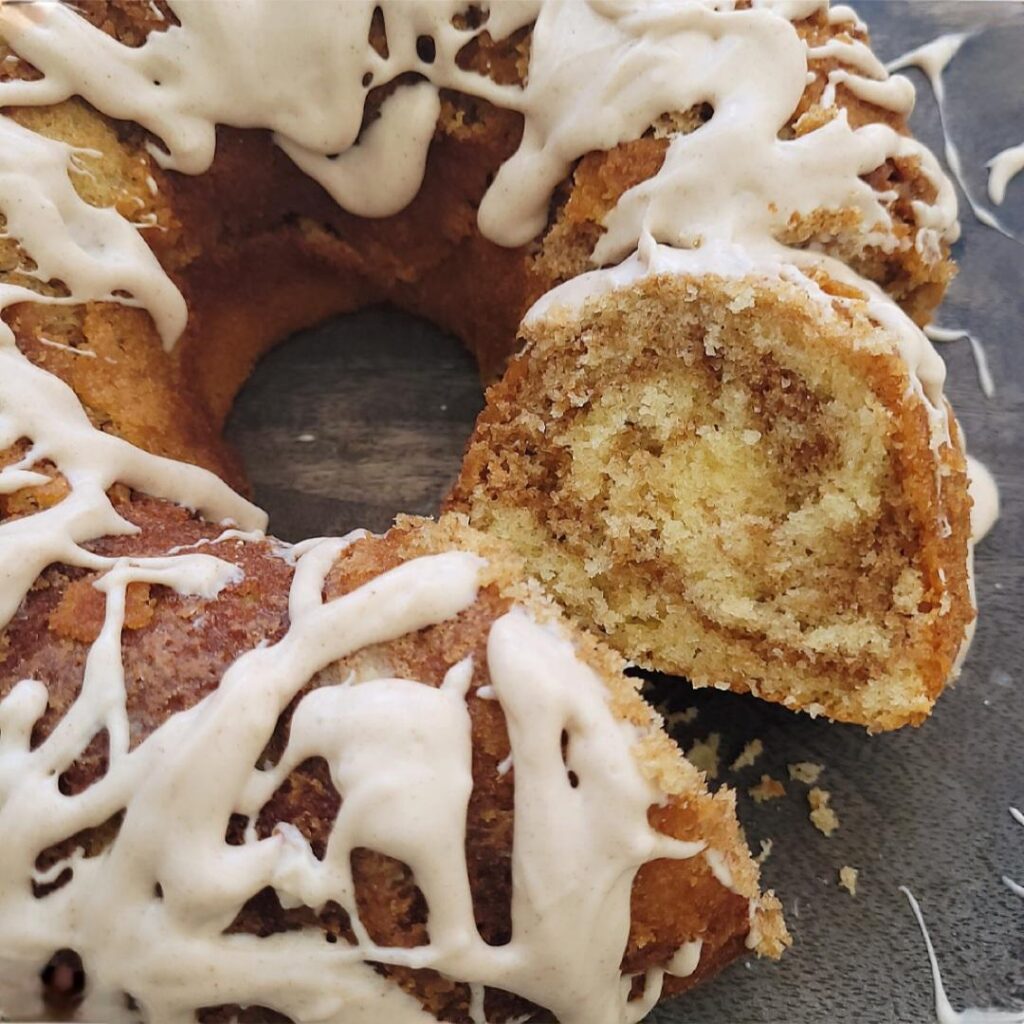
750	753
848	879
823	818
685	717
806	771
766	851
704	755
767	789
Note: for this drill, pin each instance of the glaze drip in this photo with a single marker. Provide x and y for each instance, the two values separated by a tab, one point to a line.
600	73
933	58
1002	169
944	1012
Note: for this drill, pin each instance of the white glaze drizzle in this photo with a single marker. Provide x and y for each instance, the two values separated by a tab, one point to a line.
933	58
944	1012
984	494
1015	887
946	334
166	780
1002	169
584	91
599	74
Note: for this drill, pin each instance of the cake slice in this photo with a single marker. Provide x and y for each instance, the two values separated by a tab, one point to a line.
751	480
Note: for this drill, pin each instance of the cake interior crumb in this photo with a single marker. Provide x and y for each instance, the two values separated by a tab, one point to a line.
823	818
767	789
848	879
806	771
750	753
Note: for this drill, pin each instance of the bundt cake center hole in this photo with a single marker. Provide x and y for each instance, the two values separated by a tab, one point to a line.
351	422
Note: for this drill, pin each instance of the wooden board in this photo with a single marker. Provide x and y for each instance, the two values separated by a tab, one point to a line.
368	416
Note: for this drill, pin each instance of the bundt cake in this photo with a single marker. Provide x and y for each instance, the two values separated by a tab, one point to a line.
383	778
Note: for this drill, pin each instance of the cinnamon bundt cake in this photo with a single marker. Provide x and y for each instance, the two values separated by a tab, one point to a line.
383	778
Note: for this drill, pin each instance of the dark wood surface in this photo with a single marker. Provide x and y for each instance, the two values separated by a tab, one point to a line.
367	416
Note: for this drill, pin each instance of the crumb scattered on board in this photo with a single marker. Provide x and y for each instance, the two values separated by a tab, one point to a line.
750	753
767	789
704	755
685	717
823	818
766	851
806	771
848	879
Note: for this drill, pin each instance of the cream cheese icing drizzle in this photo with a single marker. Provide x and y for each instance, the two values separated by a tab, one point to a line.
933	58
1015	887
944	1012
985	498
599	74
946	334
1002	169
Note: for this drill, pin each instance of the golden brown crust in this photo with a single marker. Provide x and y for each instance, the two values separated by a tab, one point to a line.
176	648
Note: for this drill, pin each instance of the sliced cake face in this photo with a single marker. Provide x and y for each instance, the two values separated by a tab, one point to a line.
736	480
238	774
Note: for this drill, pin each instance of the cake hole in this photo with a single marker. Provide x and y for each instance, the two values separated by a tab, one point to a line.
63	982
233	1013
390	400
40	890
426	50
489	826
574	779
263	915
507	1006
472	18
234	834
